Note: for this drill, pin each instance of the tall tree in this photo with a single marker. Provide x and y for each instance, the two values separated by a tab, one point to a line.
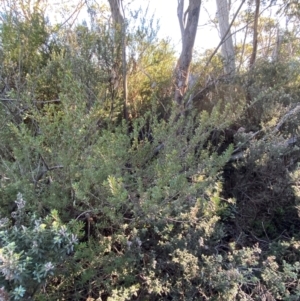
117	13
188	22
255	34
227	48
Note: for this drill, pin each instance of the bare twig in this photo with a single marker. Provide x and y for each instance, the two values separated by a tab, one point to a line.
77	10
292	112
238	153
262	223
46	101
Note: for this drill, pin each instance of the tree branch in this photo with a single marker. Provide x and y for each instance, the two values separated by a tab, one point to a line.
180	17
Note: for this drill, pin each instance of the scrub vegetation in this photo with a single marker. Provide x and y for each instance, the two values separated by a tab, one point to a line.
121	181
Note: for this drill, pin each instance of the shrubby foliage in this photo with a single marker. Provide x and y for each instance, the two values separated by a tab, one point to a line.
200	205
31	250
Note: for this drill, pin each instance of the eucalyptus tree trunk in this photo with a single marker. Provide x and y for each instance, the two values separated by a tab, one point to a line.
276	51
117	13
255	34
227	48
188	22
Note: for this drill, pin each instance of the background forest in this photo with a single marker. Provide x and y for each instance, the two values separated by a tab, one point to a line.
129	172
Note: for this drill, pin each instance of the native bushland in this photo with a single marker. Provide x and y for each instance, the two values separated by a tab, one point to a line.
193	194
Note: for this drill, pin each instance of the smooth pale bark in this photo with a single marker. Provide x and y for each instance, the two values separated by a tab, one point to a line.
188	22
115	7
120	27
255	34
276	51
227	48
228	30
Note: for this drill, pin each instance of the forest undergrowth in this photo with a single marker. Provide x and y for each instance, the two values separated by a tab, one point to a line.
161	204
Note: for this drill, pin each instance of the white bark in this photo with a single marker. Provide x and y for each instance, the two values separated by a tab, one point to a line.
276	51
255	34
227	48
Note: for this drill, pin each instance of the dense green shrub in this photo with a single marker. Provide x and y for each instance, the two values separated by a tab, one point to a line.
31	249
162	218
